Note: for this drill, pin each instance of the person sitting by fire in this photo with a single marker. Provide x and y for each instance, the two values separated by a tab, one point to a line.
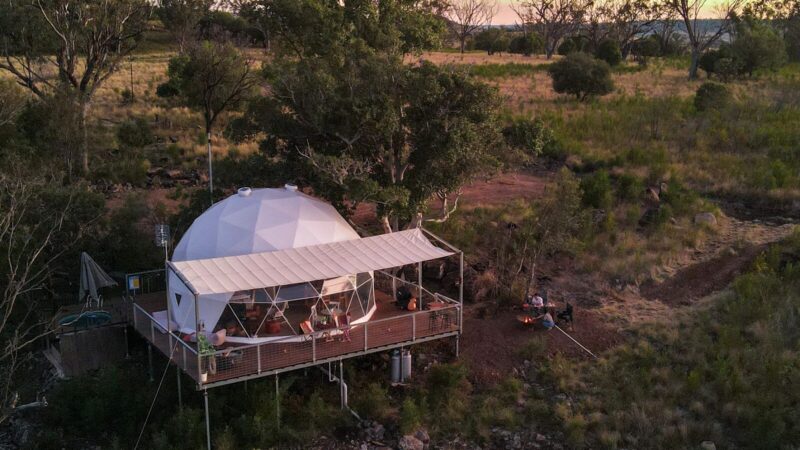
534	304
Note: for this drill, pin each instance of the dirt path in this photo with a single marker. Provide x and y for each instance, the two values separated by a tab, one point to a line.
716	264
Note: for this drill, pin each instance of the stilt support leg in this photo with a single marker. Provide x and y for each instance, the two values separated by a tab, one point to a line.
150	361
208	423
277	402
180	394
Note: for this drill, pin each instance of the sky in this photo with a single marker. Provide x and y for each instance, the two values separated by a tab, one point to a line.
507	16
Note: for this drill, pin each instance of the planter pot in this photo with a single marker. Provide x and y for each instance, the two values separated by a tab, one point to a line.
203	377
272	326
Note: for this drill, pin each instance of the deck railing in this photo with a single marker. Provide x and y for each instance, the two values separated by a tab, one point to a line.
250	361
437	316
170	344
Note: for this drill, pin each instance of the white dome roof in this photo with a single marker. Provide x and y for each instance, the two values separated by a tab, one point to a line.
262	220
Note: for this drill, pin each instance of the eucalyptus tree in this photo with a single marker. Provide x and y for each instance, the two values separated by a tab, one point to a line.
181	17
349	118
700	32
69	48
469	16
213	77
553	20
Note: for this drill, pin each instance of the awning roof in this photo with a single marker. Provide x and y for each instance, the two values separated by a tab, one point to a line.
304	264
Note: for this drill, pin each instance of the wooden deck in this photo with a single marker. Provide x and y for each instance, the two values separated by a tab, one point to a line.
389	328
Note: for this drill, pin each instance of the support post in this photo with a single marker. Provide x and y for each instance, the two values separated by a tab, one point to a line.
457	339
460	292
208	423
197	338
180	394
150	360
127	346
419	281
342	394
277	402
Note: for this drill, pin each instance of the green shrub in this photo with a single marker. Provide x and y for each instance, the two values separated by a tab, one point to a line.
573	44
530	136
373	402
629	187
127	97
712	96
727	68
135	133
597	191
608	51
527	44
581	75
492	40
411	417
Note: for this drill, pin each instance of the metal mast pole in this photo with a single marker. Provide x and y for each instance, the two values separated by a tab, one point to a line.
208	424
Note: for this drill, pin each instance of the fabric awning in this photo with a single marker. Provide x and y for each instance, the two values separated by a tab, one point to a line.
304	264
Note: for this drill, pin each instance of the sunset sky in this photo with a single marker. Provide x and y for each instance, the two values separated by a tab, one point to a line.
506	15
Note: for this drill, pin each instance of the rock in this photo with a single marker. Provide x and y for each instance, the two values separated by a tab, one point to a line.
173	174
708	445
540	437
422	435
433	270
409	442
706	218
652	196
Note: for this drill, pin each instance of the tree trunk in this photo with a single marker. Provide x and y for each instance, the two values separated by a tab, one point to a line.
463	44
84	137
694	63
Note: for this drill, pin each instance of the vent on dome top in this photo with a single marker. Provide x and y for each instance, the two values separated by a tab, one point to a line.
290	187
244	192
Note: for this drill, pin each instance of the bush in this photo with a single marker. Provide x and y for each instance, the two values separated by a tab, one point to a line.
581	75
597	191
757	46
711	96
609	52
527	45
629	187
135	133
646	48
573	44
492	40
727	68
530	136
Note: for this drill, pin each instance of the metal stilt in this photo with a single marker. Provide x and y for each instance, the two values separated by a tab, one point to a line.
277	402
127	352
150	360
457	339
180	394
342	394
208	423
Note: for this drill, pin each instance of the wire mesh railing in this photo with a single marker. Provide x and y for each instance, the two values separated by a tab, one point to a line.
435	315
321	346
170	344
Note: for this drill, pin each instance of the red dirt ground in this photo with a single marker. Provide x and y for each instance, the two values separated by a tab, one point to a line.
501	189
702	279
490	346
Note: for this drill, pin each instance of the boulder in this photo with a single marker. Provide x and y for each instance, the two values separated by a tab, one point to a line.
422	435
708	445
409	442
705	218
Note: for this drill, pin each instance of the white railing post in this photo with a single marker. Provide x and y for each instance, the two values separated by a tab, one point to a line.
258	356
414	327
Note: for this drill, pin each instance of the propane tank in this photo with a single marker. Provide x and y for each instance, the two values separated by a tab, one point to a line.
406	366
396	366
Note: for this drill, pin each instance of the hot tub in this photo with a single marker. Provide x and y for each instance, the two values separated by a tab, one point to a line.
87	319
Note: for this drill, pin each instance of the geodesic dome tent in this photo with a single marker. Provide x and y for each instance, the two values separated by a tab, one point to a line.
255	221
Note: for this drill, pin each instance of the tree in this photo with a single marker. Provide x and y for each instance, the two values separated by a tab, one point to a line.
526	44
552	19
213	77
468	16
757	46
354	122
38	225
492	40
701	33
69	47
181	17
632	20
581	75
609	52
255	12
